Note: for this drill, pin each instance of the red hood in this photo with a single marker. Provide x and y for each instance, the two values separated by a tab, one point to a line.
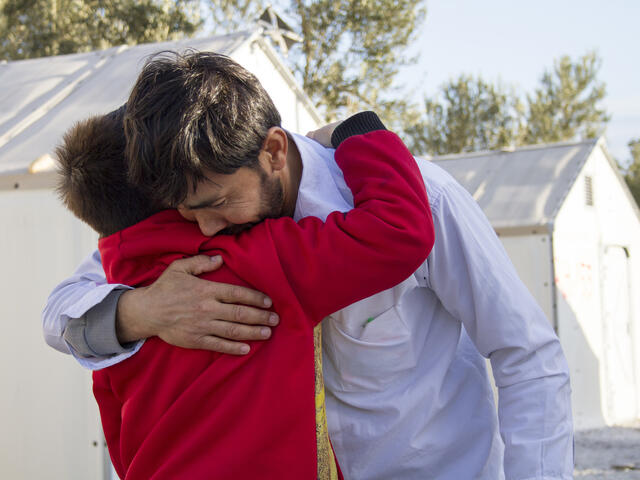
161	238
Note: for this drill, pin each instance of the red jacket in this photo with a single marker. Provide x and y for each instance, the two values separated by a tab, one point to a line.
172	413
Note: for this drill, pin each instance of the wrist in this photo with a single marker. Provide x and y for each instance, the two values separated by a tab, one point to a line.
131	321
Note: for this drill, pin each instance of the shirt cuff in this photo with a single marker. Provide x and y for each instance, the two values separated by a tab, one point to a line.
94	333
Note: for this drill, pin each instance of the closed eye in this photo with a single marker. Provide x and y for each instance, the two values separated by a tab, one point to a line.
212	204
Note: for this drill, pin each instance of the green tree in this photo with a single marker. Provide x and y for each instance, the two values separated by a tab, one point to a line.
36	28
468	115
350	51
565	105
632	174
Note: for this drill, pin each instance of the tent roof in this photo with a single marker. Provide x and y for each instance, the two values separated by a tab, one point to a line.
523	188
41	98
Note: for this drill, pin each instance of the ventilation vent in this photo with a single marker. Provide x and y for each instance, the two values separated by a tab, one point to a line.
588	190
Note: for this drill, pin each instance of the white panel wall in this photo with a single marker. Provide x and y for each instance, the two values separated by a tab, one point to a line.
531	255
48	417
582	236
295	114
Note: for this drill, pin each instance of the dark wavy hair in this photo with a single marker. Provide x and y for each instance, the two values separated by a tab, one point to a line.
190	113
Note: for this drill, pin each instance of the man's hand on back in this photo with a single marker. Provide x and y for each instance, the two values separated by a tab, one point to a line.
189	312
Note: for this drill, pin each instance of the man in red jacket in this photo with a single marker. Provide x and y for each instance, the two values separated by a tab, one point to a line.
173	413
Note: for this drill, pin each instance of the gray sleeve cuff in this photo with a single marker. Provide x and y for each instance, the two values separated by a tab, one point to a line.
94	334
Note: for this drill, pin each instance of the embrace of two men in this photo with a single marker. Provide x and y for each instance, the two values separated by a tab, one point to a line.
413	290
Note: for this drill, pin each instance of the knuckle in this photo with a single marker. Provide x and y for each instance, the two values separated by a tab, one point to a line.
199	308
235	292
201	288
201	326
233	331
176	264
210	343
238	313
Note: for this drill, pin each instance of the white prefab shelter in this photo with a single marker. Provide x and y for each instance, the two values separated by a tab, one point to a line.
572	230
49	421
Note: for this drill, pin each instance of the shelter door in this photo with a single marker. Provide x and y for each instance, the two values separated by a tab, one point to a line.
618	344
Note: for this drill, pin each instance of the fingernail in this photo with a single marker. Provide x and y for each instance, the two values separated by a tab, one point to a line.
267	302
216	259
265	332
244	349
273	319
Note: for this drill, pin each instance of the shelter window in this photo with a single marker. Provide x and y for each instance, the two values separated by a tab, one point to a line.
588	189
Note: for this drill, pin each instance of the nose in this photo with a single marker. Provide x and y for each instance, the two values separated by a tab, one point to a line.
210	223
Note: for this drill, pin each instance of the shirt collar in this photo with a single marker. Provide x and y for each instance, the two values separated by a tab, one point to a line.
322	187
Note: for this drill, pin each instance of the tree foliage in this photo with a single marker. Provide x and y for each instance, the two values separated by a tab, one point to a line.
36	28
234	15
350	51
565	105
470	114
632	175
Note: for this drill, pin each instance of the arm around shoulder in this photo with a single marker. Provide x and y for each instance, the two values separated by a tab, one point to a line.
376	245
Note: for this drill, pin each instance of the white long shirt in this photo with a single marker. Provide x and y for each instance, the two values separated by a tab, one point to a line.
408	396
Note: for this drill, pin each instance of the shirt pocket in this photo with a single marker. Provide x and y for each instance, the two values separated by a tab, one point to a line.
373	357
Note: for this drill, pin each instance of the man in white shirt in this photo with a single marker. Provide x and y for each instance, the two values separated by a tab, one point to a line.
408	396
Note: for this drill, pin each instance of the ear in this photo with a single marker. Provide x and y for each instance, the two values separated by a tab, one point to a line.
273	156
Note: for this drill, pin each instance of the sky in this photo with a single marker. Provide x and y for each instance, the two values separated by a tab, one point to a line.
514	41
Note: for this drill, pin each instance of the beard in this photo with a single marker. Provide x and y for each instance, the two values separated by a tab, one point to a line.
271	203
271	196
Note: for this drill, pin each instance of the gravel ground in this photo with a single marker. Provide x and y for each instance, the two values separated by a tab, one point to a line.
608	453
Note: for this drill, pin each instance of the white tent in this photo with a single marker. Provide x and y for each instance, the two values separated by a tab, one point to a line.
572	229
50	427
